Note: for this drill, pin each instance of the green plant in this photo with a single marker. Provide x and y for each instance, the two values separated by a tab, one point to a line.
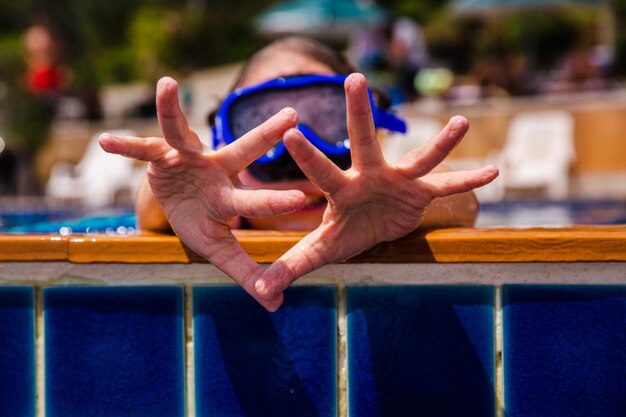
26	118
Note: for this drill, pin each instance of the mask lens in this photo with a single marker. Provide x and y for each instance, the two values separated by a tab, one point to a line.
321	107
284	168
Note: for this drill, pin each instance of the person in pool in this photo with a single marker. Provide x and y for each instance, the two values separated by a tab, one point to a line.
286	163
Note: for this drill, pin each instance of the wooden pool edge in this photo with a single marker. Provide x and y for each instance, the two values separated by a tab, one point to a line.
449	245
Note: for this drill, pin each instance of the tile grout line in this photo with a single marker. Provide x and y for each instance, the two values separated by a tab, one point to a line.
40	371
499	338
190	392
342	352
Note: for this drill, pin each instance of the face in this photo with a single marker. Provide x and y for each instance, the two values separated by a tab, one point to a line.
283	64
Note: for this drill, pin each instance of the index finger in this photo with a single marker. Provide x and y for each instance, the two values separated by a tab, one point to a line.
310	253
145	149
228	255
424	159
364	147
172	119
238	155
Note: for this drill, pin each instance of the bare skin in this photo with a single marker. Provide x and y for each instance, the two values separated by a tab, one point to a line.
372	201
201	193
454	210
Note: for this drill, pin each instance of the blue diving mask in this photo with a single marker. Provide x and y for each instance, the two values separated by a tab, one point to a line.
320	102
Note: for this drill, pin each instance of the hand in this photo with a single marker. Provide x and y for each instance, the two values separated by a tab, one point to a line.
200	192
372	201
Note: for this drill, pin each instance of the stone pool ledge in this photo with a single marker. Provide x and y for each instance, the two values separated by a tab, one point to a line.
451	245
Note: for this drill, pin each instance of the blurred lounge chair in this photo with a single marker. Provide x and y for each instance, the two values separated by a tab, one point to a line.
538	153
98	178
419	130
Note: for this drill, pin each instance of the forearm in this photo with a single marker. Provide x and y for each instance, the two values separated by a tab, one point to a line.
150	216
457	210
454	210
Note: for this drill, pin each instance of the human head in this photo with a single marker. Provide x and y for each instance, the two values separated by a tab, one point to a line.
286	57
306	56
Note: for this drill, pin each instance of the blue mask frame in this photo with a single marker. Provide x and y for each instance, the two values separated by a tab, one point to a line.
222	133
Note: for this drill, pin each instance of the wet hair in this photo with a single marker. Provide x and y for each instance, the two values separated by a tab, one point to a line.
308	47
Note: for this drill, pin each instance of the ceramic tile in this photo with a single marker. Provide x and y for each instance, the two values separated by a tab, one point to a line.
17	352
249	362
564	351
114	351
420	351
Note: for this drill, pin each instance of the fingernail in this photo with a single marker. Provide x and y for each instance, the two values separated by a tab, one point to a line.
105	137
261	289
458	121
287	113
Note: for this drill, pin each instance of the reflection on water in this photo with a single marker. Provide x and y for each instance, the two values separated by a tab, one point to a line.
36	217
541	213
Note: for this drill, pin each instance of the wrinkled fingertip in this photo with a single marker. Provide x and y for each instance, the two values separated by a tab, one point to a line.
166	82
355	77
291	134
275	303
289	201
167	87
458	123
298	199
289	114
104	138
354	82
486	175
492	171
107	142
293	137
457	118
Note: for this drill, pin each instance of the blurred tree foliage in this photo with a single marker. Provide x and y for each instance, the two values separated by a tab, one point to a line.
619	15
119	40
544	37
116	41
23	116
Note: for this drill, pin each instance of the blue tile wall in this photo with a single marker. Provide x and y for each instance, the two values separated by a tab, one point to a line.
420	351
565	351
114	351
249	362
17	352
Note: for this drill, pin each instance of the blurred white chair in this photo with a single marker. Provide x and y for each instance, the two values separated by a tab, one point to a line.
205	135
538	152
97	178
490	193
419	130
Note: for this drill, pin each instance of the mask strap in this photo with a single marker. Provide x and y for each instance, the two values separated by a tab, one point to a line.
389	121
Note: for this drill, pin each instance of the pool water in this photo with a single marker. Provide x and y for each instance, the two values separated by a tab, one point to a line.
542	213
121	221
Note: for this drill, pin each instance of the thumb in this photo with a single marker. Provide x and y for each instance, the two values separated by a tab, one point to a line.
305	256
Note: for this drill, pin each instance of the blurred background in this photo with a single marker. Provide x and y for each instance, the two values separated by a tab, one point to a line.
541	81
